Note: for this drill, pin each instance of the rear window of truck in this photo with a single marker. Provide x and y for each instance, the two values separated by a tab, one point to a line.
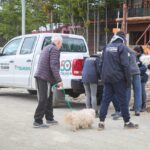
69	44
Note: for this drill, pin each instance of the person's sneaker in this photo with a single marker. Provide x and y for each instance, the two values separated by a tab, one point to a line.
117	116
101	126
52	122
131	125
39	125
137	113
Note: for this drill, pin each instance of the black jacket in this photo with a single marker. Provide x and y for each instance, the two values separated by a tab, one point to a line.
143	69
115	66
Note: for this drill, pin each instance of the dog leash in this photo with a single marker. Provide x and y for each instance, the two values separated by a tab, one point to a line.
63	91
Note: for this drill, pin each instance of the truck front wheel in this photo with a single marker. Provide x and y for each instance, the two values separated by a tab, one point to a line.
74	95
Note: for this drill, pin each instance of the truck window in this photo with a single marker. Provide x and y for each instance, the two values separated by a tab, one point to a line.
11	48
69	44
28	45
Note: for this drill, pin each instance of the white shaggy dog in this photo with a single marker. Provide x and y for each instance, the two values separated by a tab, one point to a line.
145	59
80	119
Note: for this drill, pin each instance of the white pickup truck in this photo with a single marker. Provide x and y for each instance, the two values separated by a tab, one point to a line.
19	58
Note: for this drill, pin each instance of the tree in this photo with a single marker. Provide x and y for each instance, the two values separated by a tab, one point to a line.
41	12
10	17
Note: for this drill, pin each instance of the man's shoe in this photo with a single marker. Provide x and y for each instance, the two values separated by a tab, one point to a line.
131	125
52	122
101	126
137	113
39	125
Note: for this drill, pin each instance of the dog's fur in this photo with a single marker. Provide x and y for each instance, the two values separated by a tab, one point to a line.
80	119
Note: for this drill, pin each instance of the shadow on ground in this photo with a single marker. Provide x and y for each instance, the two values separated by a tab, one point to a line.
22	95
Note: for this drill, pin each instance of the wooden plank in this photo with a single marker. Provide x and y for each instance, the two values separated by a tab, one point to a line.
135	19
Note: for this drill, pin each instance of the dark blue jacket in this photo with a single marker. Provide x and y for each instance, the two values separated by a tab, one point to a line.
115	63
144	76
91	68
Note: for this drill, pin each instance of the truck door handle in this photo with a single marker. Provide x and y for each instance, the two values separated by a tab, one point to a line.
29	60
11	61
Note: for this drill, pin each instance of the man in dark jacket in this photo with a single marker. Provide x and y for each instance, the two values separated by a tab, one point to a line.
46	75
116	78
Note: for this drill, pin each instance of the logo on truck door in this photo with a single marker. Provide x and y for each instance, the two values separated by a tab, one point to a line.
4	66
65	67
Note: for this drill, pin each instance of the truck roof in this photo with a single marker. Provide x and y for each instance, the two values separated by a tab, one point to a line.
48	34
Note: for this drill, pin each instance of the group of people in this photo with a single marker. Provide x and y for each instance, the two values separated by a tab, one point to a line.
118	69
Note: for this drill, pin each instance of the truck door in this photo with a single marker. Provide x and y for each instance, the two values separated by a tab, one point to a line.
23	62
7	60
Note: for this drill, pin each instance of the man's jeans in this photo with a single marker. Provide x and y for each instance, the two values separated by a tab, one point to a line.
120	90
44	101
136	82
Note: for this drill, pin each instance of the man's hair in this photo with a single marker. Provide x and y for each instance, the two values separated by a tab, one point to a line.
138	49
56	38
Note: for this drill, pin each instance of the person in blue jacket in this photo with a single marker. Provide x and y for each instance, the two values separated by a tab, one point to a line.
116	77
144	77
90	77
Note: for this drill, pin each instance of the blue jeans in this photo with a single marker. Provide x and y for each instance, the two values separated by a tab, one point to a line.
144	97
119	89
136	82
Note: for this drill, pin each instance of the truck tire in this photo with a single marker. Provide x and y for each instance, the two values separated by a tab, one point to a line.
74	95
58	97
32	92
55	102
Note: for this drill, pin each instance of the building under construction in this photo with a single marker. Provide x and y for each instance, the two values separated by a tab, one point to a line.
137	24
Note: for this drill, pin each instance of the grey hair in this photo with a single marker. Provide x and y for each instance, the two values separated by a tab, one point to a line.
56	38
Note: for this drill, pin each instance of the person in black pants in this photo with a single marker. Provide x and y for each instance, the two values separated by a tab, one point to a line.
116	78
46	75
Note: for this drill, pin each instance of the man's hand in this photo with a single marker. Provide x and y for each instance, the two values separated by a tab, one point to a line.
60	85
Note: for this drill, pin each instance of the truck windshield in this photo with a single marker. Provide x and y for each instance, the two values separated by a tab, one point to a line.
69	44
